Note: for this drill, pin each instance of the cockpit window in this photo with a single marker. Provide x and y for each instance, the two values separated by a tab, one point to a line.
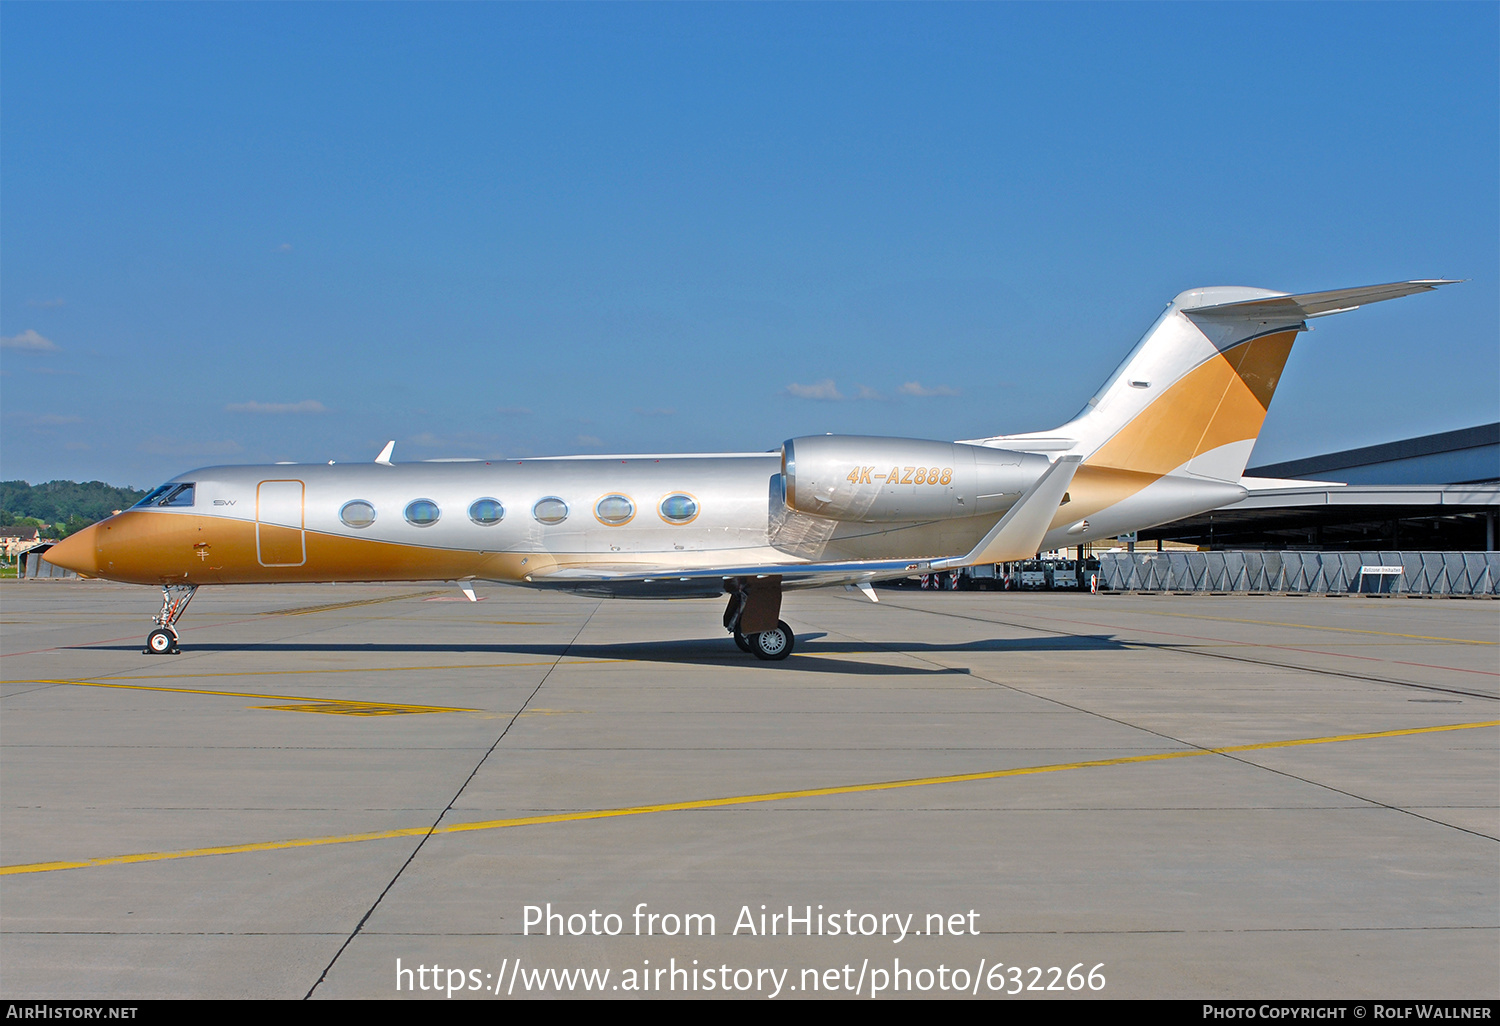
173	494
154	494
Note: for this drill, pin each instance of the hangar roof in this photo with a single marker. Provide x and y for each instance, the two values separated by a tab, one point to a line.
1449	457
1437	491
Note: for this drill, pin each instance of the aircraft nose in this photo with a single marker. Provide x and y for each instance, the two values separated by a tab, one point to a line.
78	552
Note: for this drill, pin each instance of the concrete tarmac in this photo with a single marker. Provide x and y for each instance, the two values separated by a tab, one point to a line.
333	790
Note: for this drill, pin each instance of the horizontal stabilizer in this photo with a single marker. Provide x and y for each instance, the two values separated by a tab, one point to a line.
1277	484
1019	533
1316	304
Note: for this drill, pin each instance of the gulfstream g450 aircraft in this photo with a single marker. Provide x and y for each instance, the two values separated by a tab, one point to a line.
1167	436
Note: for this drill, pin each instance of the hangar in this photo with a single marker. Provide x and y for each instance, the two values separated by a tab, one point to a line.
1438	492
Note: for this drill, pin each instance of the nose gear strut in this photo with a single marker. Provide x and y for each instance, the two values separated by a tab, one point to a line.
174	601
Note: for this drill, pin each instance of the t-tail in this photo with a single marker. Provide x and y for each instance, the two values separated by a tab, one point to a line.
1190	398
1169	434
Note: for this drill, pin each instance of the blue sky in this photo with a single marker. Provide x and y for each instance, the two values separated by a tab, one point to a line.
254	232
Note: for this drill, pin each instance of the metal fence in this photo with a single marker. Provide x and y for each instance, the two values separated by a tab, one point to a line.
1414	573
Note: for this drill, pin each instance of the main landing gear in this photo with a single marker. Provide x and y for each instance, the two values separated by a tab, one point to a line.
754	605
174	600
772	645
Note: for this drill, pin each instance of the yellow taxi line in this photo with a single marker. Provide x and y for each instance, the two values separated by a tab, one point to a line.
711	803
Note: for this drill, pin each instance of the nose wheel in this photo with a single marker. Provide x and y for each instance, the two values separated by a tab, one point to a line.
162	642
174	600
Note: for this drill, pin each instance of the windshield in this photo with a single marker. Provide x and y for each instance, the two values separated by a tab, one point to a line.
176	493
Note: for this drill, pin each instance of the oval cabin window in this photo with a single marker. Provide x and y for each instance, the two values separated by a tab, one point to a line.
422	513
358	513
485	512
550	510
679	508
614	510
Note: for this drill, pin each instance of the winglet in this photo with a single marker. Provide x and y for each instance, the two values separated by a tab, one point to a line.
385	454
1019	533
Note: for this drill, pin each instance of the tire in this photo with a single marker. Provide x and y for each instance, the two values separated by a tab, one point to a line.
161	642
775	644
742	641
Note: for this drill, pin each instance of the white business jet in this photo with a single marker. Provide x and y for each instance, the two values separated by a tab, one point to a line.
1167	436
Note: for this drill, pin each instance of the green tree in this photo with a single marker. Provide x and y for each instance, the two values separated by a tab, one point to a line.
59	508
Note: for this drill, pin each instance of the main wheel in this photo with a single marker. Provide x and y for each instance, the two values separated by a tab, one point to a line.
161	642
773	644
742	641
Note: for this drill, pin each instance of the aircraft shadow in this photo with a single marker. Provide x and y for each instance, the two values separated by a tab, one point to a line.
813	652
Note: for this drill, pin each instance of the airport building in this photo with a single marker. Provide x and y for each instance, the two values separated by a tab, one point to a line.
1416	516
1438	492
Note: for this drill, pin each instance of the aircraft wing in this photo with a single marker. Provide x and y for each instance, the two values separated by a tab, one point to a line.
656	582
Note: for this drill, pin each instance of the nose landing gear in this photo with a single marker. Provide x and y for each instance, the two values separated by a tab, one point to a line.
174	600
162	642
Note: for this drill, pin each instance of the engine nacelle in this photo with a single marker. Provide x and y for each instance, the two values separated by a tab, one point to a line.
879	480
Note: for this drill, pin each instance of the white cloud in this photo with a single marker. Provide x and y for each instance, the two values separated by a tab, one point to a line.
824	389
866	392
513	411
29	340
918	389
285	247
589	440
45	304
44	419
305	406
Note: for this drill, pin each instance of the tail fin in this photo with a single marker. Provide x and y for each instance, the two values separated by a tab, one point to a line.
1192	395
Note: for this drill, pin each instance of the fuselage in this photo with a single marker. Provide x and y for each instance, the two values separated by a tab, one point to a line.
521	521
498	520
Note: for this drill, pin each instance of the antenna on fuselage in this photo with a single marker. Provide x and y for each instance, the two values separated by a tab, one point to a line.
384	458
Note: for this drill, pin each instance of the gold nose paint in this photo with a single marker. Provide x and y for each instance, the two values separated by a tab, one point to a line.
139	546
77	551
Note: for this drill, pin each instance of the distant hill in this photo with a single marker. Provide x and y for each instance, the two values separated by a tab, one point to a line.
61	507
